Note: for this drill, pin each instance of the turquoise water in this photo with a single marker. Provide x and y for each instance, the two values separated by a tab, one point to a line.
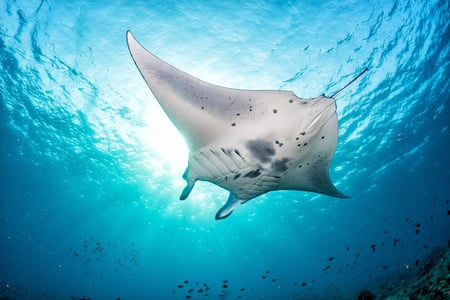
90	167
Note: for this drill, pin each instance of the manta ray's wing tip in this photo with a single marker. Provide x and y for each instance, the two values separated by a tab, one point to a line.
337	194
129	36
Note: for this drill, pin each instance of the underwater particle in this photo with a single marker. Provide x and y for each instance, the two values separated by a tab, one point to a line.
242	289
200	291
448	212
417	262
188	296
373	247
348	248
186	281
417	231
303	284
263	277
365	295
225	286
273	280
180	286
396	241
417	225
330	258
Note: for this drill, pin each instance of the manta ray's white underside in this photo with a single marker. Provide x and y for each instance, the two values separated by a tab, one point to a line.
248	142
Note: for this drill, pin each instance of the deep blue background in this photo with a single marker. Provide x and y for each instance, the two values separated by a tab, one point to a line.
90	167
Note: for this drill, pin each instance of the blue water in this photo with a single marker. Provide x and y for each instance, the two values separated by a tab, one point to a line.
90	167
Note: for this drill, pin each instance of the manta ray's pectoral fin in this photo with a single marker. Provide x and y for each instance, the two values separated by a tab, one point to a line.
229	206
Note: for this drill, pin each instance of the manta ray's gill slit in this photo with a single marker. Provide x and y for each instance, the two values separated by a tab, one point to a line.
225	160
215	163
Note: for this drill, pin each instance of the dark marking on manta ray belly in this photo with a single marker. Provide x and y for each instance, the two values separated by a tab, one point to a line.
261	149
237	176
280	165
253	174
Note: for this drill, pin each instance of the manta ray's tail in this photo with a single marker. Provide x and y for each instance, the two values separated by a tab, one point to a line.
350	83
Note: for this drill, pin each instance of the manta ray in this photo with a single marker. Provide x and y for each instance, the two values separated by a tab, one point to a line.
248	142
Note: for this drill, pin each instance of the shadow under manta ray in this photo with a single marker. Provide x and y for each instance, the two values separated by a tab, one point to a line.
248	142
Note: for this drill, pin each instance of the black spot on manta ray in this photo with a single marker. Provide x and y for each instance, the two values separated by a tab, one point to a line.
261	149
274	111
279	144
233	124
280	165
237	176
253	173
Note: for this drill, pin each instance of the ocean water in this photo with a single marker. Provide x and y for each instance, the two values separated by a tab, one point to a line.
90	166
